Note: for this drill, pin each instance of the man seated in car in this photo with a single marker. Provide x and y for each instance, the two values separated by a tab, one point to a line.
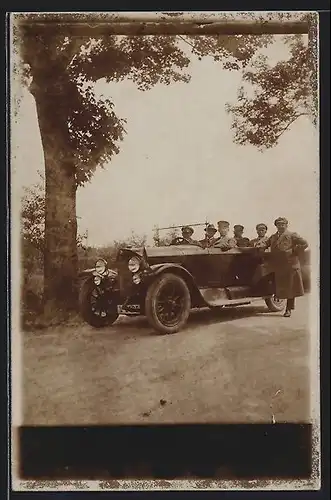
238	231
209	240
224	241
262	237
187	233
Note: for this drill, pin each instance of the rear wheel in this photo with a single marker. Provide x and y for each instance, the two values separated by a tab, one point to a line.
274	304
97	307
168	303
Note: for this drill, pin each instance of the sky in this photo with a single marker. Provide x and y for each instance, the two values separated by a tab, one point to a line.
178	163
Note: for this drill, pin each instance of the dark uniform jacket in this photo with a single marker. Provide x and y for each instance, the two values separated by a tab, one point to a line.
208	242
191	241
284	262
242	241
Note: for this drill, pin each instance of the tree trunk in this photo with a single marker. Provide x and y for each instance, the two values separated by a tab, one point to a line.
60	255
60	260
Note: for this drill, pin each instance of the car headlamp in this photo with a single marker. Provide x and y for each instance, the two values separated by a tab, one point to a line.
134	264
100	266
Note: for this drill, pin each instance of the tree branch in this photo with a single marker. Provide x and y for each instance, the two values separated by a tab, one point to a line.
187	42
289	124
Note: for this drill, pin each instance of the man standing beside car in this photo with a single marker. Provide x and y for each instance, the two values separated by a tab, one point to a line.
262	237
224	241
285	249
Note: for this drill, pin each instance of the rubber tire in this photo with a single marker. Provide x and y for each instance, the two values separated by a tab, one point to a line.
150	303
273	307
85	308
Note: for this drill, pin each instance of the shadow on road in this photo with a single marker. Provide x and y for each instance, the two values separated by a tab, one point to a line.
198	317
210	317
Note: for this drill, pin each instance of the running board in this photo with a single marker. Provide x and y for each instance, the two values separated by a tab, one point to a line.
219	297
237	302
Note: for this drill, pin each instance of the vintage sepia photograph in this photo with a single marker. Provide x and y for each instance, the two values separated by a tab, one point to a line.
164	179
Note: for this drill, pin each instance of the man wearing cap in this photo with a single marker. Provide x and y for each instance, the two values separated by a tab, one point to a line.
224	241
238	231
187	232
262	237
209	240
285	248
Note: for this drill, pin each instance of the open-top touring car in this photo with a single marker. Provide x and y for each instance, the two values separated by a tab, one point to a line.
164	283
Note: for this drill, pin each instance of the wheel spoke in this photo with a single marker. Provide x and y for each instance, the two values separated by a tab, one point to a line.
170	304
100	304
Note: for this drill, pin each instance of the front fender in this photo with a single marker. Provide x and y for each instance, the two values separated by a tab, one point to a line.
157	269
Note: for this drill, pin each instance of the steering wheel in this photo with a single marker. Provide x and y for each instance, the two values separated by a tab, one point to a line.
178	241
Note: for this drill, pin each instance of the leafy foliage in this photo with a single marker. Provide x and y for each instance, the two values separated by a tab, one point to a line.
33	216
234	52
65	68
134	240
166	238
33	248
63	71
274	97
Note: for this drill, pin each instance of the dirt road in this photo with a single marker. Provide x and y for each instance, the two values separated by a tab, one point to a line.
230	366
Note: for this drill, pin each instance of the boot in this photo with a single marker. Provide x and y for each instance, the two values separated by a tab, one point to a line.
287	313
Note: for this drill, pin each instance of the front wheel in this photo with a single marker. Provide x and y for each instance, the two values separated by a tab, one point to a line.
168	303
96	306
274	304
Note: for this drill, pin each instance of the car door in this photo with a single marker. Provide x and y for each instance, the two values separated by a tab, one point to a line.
196	261
220	267
234	267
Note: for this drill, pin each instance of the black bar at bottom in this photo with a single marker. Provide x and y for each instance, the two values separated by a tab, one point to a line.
166	451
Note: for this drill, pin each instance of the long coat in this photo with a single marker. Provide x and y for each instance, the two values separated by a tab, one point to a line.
284	260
